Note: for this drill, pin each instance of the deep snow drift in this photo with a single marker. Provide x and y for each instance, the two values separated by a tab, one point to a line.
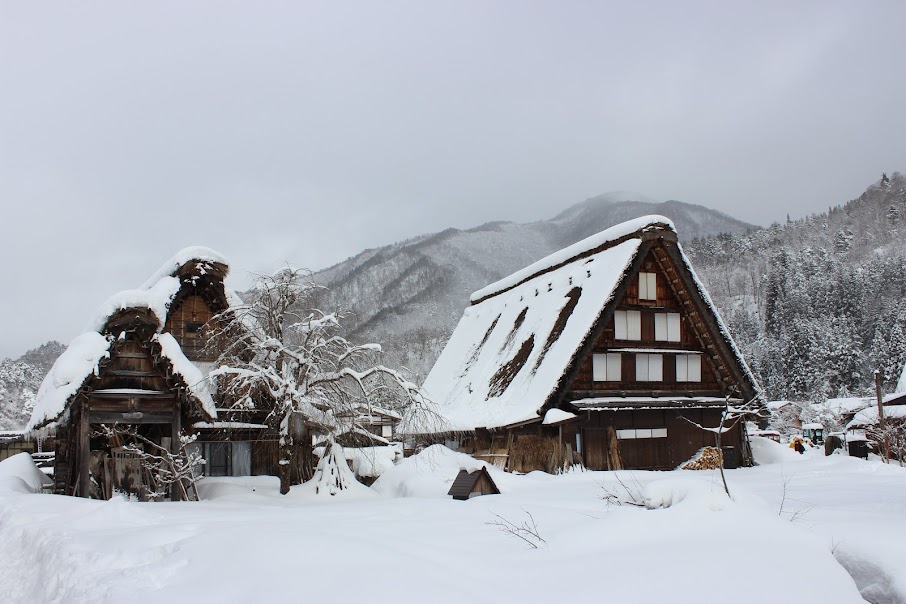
404	540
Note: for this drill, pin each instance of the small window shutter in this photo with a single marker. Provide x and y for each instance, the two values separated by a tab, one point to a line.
641	367
660	327
673	327
599	367
695	368
647	286
634	325
619	325
682	368
614	367
655	367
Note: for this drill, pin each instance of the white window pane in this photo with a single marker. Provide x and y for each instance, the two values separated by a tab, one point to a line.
643	433
659	433
626	434
599	367
695	368
641	367
655	367
682	368
660	327
673	327
619	325
614	367
387	431
647	286
634	325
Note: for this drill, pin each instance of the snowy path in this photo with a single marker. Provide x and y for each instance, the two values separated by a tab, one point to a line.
257	546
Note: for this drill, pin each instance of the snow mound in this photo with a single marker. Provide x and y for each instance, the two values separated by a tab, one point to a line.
766	451
237	488
20	475
427	474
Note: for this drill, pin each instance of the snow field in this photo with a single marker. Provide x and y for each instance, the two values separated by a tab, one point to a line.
405	540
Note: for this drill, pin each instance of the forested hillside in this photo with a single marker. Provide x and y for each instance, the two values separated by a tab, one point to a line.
410	295
19	382
817	303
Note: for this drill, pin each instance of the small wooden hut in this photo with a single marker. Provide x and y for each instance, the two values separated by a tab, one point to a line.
472	484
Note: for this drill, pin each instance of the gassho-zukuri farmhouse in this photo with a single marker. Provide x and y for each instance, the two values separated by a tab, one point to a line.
608	353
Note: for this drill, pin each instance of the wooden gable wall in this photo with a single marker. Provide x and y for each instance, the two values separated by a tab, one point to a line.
672	297
187	321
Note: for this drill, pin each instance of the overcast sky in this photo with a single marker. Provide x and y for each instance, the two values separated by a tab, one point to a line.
304	132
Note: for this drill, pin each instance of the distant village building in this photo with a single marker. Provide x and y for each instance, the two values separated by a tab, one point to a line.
145	364
606	353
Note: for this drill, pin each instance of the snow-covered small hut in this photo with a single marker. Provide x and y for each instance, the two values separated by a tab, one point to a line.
617	332
143	363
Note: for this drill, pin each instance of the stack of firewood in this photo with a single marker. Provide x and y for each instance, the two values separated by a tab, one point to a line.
706	459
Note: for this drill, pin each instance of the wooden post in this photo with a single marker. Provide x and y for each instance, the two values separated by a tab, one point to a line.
882	422
84	452
175	444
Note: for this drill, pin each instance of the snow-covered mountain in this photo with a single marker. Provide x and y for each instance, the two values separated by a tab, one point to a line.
19	382
410	295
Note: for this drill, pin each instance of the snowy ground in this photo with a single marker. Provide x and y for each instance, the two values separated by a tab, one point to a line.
404	540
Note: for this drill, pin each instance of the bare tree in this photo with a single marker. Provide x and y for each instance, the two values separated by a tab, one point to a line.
280	353
889	439
172	473
731	416
527	530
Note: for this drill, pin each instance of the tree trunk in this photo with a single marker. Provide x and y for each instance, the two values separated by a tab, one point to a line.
286	452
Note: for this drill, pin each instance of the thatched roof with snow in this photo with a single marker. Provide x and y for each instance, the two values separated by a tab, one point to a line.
150	303
509	356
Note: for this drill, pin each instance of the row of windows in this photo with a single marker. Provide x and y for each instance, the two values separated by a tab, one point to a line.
633	433
608	367
628	325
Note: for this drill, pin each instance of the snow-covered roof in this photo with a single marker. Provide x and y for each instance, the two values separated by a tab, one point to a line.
869	415
841	405
157	293
79	361
512	331
813	426
195	253
491	373
186	369
81	358
568	254
901	384
774	405
556	416
156	298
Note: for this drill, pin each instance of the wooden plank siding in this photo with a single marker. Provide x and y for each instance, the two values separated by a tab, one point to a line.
583	386
186	321
683	439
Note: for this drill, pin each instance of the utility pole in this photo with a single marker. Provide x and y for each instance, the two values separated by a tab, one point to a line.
882	423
